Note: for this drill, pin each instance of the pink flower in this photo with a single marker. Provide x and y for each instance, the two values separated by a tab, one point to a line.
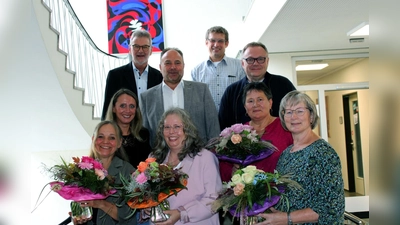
141	178
97	165
236	139
100	174
238	189
87	159
237	128
85	165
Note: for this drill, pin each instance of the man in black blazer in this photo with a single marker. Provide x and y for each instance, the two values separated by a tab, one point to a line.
137	75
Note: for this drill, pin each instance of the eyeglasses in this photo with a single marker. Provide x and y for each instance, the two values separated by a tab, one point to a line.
260	60
138	47
175	128
299	112
220	41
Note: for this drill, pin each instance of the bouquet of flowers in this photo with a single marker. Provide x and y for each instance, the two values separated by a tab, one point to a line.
240	144
252	191
151	184
83	179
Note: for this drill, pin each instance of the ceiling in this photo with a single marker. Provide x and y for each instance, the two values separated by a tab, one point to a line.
317	25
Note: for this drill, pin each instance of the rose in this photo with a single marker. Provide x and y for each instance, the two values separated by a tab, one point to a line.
142	166
236	179
141	178
250	169
226	132
100	174
150	160
248	178
237	128
238	189
236	139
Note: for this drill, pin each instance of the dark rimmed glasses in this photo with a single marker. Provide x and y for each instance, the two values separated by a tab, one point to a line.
260	60
138	47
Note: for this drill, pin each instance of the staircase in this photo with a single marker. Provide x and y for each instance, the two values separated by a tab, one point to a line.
81	67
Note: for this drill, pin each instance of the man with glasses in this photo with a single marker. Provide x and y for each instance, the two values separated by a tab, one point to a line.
194	97
255	64
137	75
218	71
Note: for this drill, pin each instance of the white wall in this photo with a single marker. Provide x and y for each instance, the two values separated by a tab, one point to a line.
35	117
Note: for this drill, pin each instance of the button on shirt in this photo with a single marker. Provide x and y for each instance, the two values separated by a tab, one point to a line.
218	77
141	79
173	98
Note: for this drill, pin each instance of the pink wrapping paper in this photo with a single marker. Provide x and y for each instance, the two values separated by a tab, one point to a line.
75	193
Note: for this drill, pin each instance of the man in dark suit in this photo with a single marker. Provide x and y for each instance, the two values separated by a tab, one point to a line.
194	97
137	75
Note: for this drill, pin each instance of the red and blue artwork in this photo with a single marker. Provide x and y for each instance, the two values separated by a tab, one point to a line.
125	16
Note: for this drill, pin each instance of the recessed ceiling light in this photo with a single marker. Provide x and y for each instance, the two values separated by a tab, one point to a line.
311	67
360	30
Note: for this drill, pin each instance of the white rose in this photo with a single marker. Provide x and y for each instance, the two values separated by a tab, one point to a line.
248	178
236	179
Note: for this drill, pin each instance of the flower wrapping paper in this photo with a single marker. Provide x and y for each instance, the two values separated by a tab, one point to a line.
249	159
75	193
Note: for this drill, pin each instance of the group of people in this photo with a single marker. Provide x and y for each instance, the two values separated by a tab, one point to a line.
155	113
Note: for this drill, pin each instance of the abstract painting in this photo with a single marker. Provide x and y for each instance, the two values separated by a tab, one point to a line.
125	16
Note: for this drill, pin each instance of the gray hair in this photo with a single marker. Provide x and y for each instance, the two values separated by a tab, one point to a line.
254	44
293	98
140	33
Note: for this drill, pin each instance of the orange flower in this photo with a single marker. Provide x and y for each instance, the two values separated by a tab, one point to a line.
236	139
142	166
150	160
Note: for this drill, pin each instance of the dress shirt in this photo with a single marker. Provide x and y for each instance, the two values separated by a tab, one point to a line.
141	79
173	98
218	77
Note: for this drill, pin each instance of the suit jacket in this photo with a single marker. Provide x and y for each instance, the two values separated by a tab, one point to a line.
197	102
123	77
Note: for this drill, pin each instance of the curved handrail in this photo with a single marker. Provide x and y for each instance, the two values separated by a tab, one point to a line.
85	60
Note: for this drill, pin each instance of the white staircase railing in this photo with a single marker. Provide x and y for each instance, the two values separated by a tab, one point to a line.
85	60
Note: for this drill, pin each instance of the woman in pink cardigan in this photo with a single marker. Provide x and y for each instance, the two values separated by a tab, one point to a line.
178	145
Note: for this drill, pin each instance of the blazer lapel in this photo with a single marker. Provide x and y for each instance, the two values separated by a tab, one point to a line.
130	77
187	95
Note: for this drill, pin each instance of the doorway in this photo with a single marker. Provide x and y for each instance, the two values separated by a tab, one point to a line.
351	113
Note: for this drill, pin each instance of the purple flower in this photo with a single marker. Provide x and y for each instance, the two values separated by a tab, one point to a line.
237	128
226	132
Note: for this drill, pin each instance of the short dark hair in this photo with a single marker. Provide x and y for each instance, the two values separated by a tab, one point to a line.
218	30
258	86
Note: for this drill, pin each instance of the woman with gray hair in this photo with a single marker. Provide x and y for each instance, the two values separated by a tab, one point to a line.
178	145
313	163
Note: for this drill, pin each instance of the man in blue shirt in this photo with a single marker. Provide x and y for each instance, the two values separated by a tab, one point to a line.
218	71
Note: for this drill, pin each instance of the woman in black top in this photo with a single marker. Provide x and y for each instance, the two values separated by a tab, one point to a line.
124	110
